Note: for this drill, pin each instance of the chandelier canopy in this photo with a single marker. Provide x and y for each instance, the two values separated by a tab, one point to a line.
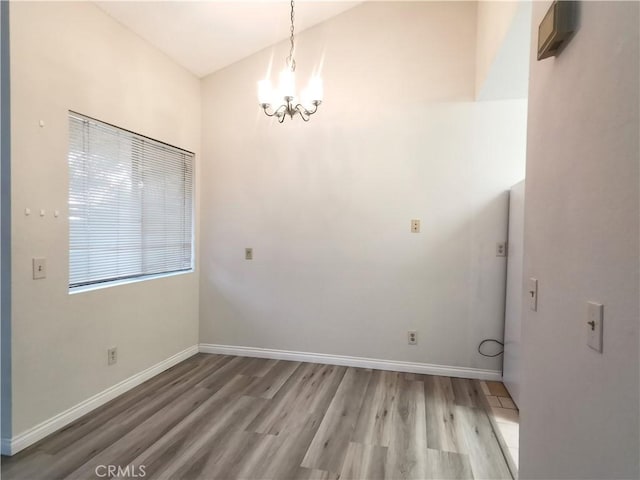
285	94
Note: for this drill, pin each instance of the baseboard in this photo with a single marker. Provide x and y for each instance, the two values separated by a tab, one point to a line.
362	362
31	436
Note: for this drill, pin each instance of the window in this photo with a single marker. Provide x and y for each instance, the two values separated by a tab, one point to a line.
130	205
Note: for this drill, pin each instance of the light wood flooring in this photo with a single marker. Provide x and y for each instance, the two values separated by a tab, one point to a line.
223	417
505	420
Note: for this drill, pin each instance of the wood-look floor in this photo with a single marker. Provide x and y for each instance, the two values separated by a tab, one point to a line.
224	417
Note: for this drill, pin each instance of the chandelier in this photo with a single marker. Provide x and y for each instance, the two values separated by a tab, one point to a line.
285	94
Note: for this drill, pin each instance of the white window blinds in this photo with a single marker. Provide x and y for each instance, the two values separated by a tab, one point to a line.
130	204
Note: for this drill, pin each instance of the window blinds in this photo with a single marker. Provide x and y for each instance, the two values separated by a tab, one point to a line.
130	204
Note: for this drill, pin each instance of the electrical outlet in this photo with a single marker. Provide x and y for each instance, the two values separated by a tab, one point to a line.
412	337
501	249
415	226
248	253
112	356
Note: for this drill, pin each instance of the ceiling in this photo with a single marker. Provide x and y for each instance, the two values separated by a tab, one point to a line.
205	36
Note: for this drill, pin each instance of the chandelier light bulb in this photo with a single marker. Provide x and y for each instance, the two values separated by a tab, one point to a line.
264	92
315	89
305	97
287	86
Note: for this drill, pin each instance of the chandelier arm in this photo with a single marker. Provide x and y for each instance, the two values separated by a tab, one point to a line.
265	107
276	113
281	111
304	113
300	107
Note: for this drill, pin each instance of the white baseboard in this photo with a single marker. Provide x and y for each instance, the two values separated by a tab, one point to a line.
29	437
362	362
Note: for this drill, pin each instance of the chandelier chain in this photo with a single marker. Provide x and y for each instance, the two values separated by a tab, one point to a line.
290	60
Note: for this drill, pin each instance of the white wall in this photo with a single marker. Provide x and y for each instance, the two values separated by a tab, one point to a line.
580	409
72	56
326	205
512	358
504	38
494	20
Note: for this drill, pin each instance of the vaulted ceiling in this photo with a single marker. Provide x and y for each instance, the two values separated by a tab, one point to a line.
205	36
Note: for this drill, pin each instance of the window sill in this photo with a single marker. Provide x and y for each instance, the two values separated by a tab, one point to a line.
115	283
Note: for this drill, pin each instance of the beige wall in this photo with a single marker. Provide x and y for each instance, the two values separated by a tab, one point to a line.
580	409
72	56
326	205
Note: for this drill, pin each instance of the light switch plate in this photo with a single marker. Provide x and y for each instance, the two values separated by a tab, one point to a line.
248	253
532	294
39	268
595	318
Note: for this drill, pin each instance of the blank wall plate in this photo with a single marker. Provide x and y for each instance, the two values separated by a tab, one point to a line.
595	319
